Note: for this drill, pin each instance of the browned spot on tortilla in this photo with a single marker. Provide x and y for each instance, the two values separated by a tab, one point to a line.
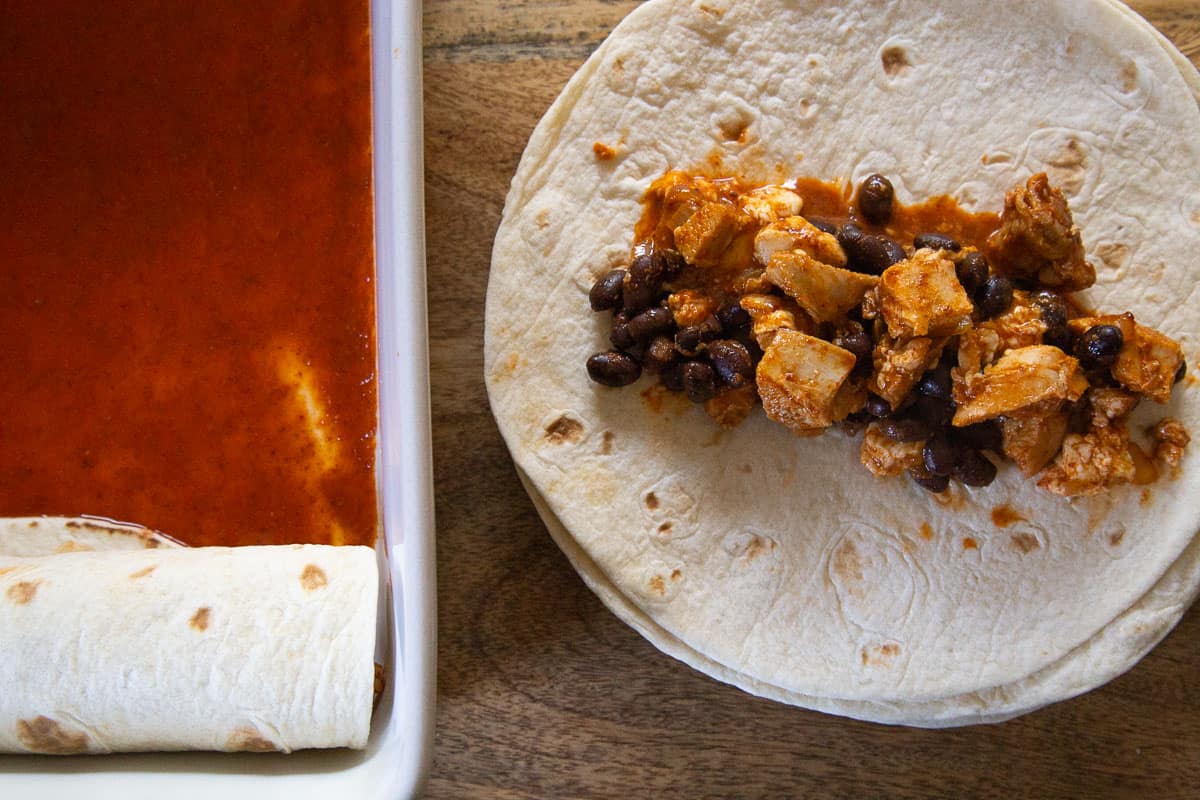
651	500
880	655
73	524
21	593
510	364
846	564
249	740
1068	167
313	577
6	570
150	543
895	60
199	620
716	161
665	527
603	152
676	574
1196	217
713	12
1004	515
926	531
658	585
72	546
564	429
380	685
734	130
1112	254
44	735
542	219
1115	538
756	546
1025	542
619	64
606	442
1146	497
1129	77
33	524
970	544
143	572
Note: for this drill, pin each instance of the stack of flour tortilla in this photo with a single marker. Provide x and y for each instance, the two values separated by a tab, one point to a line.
777	564
116	638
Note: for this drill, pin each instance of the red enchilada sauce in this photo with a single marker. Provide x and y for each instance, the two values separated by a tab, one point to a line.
186	267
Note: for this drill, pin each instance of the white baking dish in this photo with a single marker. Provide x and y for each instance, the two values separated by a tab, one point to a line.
394	763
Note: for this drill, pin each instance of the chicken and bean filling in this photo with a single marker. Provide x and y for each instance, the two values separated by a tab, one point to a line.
949	340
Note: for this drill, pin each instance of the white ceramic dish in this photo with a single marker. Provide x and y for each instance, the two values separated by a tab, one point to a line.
394	763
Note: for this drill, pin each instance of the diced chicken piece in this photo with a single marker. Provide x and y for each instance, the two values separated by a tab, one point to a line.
1020	379
702	240
851	398
1110	405
770	313
884	457
977	348
797	233
898	367
752	281
1170	440
825	292
1038	238
798	378
690	306
870	303
767	204
1148	360
921	296
1033	436
680	195
1020	326
1090	463
731	406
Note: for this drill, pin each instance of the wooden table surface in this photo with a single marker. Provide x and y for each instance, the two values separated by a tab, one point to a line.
541	691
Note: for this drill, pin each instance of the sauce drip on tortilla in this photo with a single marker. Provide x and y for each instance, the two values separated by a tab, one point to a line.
186	268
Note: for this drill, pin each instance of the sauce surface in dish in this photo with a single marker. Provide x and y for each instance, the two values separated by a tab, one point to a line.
187	268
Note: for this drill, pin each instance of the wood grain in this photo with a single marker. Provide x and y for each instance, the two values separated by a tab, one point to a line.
542	692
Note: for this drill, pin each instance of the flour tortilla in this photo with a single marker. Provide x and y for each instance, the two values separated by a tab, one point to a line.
111	645
782	560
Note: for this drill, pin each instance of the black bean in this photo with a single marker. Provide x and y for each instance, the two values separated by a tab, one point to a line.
731	362
643	284
982	436
858	342
1059	337
995	296
940	454
1182	371
974	469
826	331
613	369
620	336
1100	345
866	252
934	483
660	354
673	263
732	316
936	412
937	382
895	250
672	377
936	241
606	292
877	406
972	271
689	339
1052	307
903	429
823	225
698	381
651	322
875	199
